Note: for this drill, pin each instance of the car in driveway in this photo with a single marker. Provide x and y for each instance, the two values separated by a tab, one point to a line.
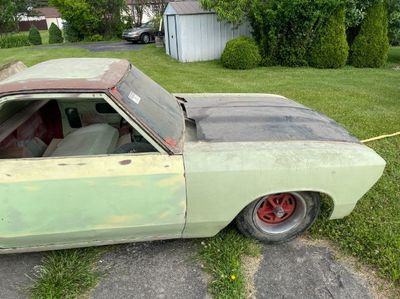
101	154
143	33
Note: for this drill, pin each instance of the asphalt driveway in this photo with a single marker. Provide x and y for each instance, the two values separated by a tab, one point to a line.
169	269
121	46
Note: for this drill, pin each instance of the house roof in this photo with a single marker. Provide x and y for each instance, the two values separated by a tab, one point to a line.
67	74
48	12
188	8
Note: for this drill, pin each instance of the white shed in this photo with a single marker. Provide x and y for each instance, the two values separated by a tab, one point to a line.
195	34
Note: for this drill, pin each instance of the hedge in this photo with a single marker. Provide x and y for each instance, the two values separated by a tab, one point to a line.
55	34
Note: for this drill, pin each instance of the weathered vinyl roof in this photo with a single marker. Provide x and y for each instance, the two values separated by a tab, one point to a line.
188	8
68	74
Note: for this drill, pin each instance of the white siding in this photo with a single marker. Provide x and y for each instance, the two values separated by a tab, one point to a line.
202	37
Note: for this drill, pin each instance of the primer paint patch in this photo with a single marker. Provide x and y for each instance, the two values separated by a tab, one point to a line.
134	97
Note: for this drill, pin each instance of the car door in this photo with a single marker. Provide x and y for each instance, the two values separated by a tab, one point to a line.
86	200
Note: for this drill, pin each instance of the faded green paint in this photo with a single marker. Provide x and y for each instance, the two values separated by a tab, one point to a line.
110	199
223	178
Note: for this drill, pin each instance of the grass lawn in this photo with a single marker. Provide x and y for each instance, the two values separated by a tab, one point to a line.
365	101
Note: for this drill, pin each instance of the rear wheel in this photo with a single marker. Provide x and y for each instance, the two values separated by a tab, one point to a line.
279	218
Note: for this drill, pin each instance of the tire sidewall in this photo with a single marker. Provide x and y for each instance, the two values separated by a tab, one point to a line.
246	224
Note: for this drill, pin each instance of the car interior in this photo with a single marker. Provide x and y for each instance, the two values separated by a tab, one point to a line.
66	127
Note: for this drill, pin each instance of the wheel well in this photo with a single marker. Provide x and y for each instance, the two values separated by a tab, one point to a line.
327	202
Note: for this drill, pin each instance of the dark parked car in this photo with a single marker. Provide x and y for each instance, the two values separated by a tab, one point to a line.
144	33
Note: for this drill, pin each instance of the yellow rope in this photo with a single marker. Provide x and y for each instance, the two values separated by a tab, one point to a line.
380	137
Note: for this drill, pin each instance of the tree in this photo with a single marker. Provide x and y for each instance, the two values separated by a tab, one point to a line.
233	11
330	48
10	12
55	34
139	8
371	45
90	17
394	22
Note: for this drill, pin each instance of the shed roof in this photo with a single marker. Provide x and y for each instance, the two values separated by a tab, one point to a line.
48	12
67	74
188	8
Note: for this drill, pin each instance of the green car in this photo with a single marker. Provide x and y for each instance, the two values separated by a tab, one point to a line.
94	152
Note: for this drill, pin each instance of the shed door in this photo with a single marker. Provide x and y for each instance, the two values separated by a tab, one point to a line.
172	38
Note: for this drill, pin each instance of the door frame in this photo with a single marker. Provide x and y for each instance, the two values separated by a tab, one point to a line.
176	36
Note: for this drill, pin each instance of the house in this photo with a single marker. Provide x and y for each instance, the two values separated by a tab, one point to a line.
195	34
44	17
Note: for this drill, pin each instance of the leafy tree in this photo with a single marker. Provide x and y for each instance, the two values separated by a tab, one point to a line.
394	22
55	34
330	48
34	36
371	45
86	18
10	11
233	11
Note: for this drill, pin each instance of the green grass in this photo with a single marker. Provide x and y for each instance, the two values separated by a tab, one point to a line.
365	101
67	274
222	256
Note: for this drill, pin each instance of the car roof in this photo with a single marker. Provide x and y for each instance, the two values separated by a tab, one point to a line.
67	74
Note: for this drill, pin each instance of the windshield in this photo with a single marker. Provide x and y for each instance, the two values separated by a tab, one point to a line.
147	25
153	106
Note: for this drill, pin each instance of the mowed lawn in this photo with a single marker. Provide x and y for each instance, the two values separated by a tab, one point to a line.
365	101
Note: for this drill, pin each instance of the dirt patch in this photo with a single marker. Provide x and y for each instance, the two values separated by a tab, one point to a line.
250	268
378	287
397	67
9	69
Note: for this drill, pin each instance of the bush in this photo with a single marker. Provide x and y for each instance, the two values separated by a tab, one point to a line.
55	34
285	29
95	38
370	47
394	22
241	53
330	48
71	35
34	36
14	41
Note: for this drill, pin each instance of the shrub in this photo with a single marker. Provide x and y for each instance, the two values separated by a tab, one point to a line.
55	34
95	38
285	29
241	53
370	47
71	35
394	22
330	48
14	41
34	36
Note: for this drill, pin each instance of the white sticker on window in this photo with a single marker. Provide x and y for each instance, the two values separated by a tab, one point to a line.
134	97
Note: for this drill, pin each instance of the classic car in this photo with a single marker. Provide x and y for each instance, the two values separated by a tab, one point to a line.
93	152
143	33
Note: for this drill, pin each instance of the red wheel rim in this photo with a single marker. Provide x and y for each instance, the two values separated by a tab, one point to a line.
277	208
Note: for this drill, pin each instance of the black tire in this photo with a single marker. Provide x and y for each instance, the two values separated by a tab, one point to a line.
251	225
145	38
135	147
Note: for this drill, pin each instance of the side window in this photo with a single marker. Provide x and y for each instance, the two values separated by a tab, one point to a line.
62	128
